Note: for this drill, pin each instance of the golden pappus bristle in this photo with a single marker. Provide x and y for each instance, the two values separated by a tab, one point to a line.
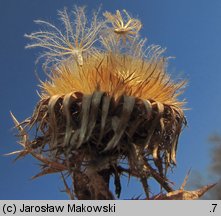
115	74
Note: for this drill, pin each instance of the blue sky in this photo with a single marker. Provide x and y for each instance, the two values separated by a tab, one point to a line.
190	30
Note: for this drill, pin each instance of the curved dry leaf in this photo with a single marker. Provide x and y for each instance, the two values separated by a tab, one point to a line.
67	102
148	108
128	105
53	120
95	103
154	123
104	113
85	114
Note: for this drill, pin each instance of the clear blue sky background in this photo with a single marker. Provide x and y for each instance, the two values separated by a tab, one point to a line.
191	31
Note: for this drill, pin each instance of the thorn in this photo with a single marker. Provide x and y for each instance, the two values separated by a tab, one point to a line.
200	192
185	180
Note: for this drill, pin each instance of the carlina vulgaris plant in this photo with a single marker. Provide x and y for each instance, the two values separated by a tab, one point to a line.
108	107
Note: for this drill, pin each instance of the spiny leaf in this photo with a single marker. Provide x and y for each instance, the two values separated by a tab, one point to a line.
185	195
145	186
45	171
23	133
67	189
163	181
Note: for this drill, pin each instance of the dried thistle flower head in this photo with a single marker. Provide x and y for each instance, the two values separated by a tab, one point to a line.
123	25
104	107
77	38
